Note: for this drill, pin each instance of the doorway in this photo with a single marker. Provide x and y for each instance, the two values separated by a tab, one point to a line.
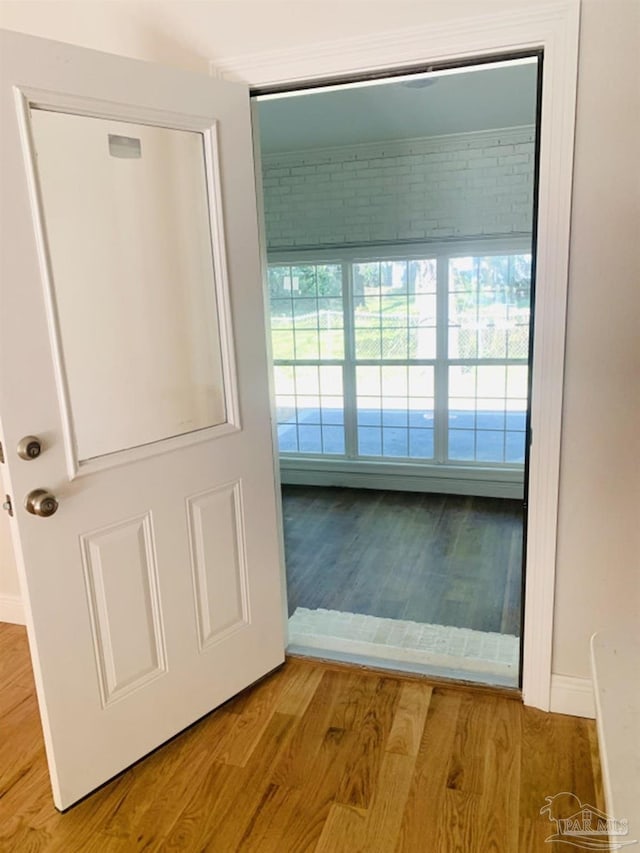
400	227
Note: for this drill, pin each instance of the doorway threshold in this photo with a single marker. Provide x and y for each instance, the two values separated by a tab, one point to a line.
442	651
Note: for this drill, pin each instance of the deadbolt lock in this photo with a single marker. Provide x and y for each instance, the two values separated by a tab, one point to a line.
29	447
40	502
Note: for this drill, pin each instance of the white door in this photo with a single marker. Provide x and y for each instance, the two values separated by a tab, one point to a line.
133	348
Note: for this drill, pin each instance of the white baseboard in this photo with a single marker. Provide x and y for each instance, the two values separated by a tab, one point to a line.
572	695
406	478
11	609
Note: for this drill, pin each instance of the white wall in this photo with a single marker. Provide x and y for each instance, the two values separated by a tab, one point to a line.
463	185
599	521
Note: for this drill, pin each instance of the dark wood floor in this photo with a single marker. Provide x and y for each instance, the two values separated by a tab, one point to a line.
317	758
440	559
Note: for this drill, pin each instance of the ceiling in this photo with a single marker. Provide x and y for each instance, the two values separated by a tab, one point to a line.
486	97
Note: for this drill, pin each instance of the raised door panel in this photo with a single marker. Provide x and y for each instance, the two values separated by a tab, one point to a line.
122	587
216	527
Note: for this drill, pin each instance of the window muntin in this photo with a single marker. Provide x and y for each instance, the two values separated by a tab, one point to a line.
419	348
487	413
489	306
489	299
394	309
395	410
310	408
307	315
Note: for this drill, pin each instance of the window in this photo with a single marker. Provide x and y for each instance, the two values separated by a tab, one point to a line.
307	329
411	359
394	319
488	344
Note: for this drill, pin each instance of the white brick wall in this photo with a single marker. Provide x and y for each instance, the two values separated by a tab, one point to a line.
464	185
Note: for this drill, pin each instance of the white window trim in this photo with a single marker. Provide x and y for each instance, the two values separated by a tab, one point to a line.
552	27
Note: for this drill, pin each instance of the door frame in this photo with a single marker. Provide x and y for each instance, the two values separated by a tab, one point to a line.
552	28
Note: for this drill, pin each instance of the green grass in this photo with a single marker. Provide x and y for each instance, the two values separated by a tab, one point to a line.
386	332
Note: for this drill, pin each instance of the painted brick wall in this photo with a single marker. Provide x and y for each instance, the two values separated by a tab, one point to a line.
464	185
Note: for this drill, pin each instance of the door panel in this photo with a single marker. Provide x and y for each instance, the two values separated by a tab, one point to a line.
216	527
122	590
111	222
132	344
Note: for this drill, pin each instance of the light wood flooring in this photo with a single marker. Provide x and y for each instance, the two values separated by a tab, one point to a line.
317	757
439	559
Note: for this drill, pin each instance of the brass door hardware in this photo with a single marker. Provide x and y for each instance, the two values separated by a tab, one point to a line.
29	447
41	502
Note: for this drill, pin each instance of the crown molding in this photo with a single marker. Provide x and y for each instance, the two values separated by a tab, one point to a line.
415	144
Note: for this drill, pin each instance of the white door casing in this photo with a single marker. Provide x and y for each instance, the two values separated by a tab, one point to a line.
551	27
153	594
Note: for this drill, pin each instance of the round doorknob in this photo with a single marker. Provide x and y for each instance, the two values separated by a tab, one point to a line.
41	502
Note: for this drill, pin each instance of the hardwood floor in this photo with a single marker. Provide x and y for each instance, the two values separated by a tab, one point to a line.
317	757
441	559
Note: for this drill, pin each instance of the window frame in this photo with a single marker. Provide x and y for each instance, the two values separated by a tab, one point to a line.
440	464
